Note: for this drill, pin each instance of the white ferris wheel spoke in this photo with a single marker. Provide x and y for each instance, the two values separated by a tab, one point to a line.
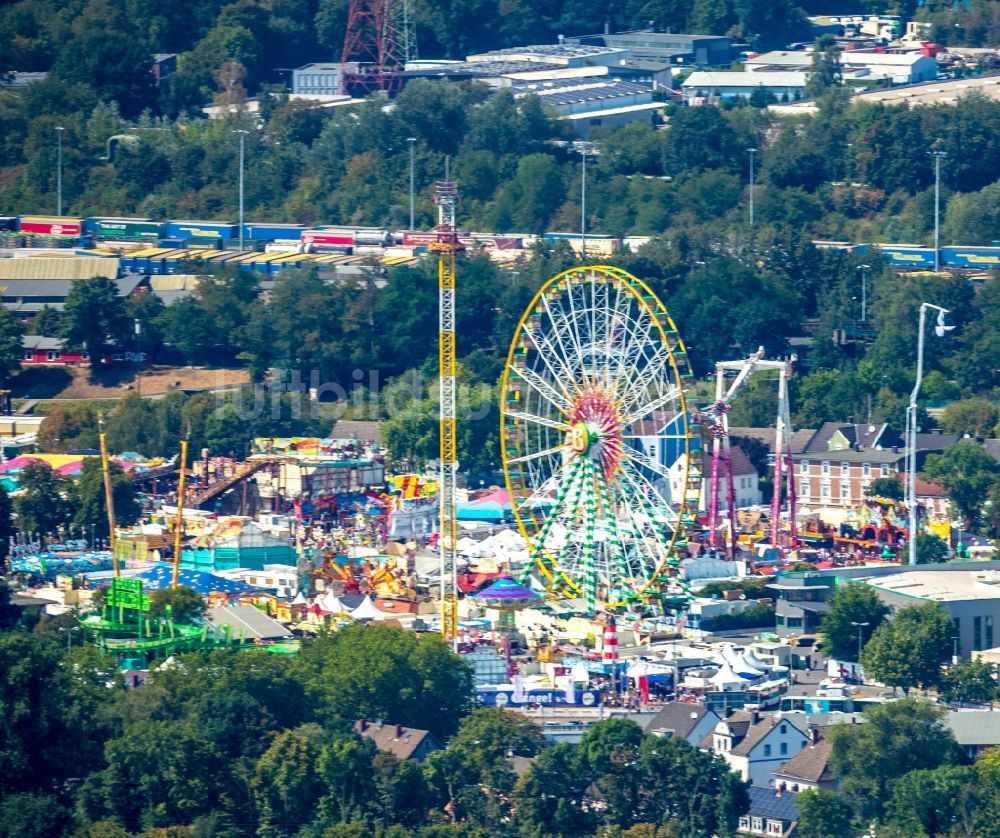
558	400
671	395
539	420
537	455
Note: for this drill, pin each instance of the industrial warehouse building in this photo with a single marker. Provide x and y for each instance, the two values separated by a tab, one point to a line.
707	87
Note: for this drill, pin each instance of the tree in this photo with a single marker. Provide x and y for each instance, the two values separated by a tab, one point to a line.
11	345
851	602
43	505
975	417
970	681
885	487
897	737
908	650
90	498
924	801
551	796
94	317
931	548
378	672
286	783
825	72
966	472
181	604
33	816
823	814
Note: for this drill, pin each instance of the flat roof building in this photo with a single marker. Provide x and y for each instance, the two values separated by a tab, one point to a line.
673	48
706	87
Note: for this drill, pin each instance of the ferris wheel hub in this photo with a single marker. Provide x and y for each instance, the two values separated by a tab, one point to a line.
596	430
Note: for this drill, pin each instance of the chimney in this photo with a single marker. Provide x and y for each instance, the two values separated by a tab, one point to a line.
754	717
361	725
399	731
814	735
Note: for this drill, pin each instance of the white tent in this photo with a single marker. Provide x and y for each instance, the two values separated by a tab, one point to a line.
726	677
300	599
331	602
751	660
745	669
643	669
366	610
728	654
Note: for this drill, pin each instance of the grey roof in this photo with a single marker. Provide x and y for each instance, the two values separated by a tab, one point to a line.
679	717
766	803
171	297
41	342
867	436
766	435
974	727
563	94
992	447
57	289
247	621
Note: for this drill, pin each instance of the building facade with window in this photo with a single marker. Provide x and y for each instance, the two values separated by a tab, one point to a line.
754	745
970	597
837	465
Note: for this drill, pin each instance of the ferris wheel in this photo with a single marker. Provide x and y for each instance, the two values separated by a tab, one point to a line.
601	459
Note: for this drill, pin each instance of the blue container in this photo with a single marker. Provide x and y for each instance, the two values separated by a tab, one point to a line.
271	232
908	256
980	258
202	231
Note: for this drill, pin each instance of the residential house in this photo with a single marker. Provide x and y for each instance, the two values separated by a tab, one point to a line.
754	745
43	350
841	459
772	813
976	731
690	722
404	742
809	768
746	480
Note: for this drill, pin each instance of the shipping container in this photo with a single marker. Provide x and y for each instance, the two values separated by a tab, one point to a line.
360	235
318	239
970	257
270	232
59	227
128	229
497	242
202	230
138	261
8	223
413	239
908	255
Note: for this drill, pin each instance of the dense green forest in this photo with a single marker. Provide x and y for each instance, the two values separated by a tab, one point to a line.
246	743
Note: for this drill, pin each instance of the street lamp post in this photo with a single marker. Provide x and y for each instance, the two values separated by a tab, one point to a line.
411	141
954	656
243	133
752	151
859	626
864	292
59	130
937	155
911	429
138	356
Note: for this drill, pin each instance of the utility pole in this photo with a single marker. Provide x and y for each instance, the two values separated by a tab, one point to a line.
138	357
937	155
859	626
411	141
864	292
59	130
752	151
243	133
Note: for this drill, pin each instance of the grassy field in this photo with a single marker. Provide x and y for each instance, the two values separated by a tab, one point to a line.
43	382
